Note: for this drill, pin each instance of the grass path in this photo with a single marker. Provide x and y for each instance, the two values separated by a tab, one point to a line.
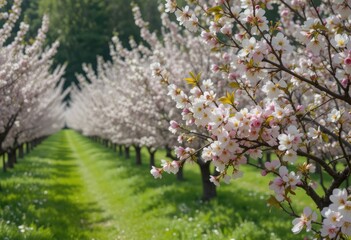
72	188
47	192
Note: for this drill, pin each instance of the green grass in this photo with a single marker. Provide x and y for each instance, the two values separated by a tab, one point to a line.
72	188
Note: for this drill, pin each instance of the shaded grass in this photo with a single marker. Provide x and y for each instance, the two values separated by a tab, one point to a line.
73	188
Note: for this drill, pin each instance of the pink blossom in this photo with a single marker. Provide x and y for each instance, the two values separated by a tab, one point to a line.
271	166
214	180
156	172
174	126
347	61
171	6
304	221
329	231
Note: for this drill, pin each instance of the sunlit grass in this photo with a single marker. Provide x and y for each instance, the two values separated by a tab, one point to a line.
72	188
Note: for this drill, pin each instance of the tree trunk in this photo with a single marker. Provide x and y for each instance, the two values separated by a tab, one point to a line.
268	156
4	163
137	155
120	150
180	174
10	162
14	154
152	156
20	151
127	151
319	171
260	162
215	172
27	148
209	189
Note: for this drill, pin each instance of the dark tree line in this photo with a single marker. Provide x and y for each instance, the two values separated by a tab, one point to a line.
85	27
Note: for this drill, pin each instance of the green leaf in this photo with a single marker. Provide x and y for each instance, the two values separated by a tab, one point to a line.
218	16
190	81
194	79
269	119
215	9
228	98
234	85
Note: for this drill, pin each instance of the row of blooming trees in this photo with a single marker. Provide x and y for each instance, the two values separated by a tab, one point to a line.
257	86
31	102
124	104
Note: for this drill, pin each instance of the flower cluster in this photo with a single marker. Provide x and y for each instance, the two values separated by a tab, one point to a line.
337	216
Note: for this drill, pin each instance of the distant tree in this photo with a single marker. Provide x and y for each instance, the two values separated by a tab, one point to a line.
84	27
31	15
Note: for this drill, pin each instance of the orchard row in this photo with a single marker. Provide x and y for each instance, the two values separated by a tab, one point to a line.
30	91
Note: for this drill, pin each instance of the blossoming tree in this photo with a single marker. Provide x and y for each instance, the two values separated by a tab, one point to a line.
288	93
30	105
